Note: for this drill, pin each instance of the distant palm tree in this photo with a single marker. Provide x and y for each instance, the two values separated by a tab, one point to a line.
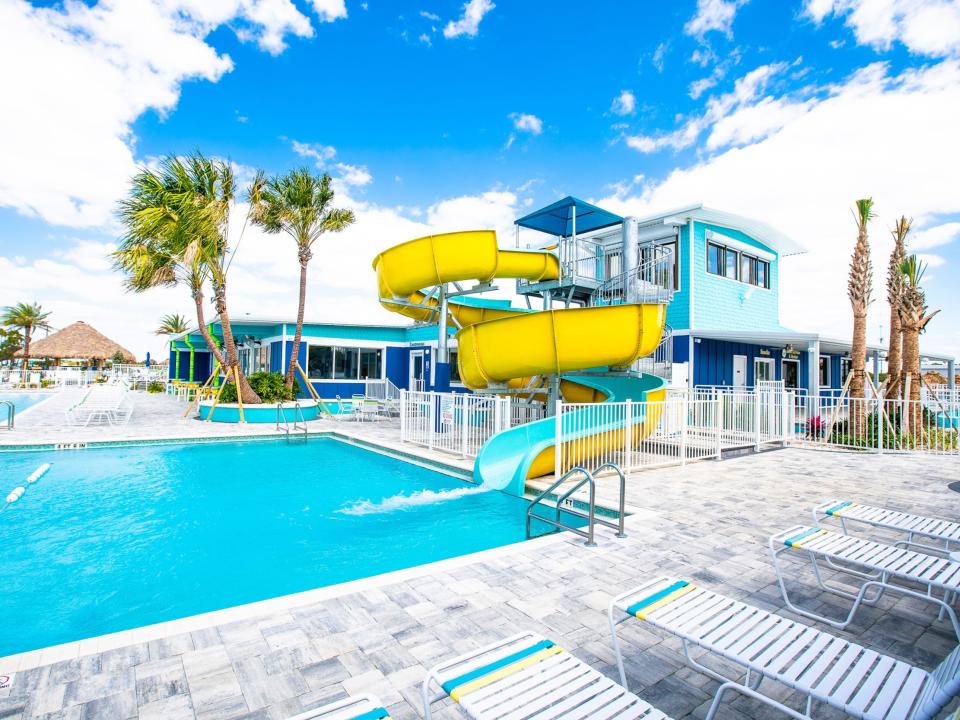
25	318
859	290
172	324
894	294
177	218
299	204
914	316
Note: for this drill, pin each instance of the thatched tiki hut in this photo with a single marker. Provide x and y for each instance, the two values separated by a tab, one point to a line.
77	342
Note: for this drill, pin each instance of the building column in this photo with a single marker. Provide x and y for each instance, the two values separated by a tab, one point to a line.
951	373
876	368
813	369
691	346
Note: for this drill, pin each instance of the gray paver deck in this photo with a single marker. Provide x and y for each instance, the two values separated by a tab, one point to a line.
708	522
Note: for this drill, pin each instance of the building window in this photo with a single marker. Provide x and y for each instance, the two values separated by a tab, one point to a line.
736	265
845	364
763	370
824	371
263	359
320	362
371	363
454	367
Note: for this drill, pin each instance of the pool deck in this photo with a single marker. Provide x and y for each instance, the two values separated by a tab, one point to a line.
708	522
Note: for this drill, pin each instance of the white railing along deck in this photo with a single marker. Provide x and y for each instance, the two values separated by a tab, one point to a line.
457	423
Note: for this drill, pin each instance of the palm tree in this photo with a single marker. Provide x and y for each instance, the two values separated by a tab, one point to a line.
859	290
177	218
914	317
25	318
172	324
299	204
894	294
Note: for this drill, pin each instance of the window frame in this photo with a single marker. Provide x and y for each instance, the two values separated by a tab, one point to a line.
753	264
332	349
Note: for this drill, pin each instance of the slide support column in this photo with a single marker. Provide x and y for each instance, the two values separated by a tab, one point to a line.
441	370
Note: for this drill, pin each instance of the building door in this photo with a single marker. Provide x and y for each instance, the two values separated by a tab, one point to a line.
739	371
763	370
417	367
791	373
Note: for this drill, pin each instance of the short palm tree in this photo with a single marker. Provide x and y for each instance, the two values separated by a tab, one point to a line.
177	217
26	318
172	324
914	316
894	294
299	204
859	290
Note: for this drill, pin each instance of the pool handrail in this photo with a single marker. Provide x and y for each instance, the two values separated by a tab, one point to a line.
11	413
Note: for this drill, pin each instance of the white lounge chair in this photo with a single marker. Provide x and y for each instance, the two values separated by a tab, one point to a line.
824	668
110	405
526	676
934	529
881	568
359	707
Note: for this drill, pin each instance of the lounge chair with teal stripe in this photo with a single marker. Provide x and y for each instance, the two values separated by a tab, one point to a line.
878	567
943	533
358	707
768	647
526	676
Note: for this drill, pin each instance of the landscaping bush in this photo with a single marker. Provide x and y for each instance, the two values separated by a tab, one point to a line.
155	386
269	386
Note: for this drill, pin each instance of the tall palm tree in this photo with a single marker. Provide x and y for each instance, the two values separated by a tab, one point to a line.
914	316
299	204
26	318
177	217
859	290
172	324
894	293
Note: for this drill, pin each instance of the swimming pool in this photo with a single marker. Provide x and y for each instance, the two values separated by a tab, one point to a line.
111	539
22	400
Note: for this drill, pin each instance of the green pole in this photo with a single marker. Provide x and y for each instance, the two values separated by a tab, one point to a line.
186	339
216	379
176	360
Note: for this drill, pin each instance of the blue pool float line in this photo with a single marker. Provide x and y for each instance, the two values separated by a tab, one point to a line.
18	491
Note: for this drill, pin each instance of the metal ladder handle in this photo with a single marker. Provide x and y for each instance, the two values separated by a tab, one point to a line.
11	412
559	525
623	493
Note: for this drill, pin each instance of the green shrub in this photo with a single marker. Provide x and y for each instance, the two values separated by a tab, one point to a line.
269	386
155	386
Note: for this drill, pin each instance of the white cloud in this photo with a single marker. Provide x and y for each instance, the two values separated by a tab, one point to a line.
925	27
624	104
86	73
468	23
524	122
713	16
658	56
321	153
724	108
430	15
935	236
353	175
930	260
754	122
804	178
329	10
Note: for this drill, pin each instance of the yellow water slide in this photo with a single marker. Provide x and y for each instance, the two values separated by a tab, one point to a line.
498	346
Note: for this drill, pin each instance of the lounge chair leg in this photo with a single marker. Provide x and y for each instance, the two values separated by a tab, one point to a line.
616	647
736	687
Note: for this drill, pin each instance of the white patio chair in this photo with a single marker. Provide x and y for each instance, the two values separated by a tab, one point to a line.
526	676
359	707
934	529
881	567
34	379
824	668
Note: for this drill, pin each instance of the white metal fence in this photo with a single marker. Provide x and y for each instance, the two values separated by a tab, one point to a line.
458	423
878	425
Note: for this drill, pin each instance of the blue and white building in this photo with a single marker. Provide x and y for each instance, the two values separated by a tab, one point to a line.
724	317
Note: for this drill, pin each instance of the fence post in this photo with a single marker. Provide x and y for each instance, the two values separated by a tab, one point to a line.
403	416
465	421
756	420
558	438
881	407
718	423
684	428
628	436
432	419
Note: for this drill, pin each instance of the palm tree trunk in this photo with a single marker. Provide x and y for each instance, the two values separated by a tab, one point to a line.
894	361
295	353
24	366
911	370
858	362
205	331
244	391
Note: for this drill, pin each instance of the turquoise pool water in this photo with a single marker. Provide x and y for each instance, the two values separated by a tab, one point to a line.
22	400
111	539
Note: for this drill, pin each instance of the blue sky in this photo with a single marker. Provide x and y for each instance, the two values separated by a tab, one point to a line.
445	114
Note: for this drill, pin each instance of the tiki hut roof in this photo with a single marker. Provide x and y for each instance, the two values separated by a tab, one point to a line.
77	341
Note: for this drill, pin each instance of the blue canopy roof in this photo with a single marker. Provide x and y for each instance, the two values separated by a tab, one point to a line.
557	219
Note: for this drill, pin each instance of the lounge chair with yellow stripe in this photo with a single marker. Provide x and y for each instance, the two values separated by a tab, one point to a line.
526	676
358	707
933	530
818	665
880	567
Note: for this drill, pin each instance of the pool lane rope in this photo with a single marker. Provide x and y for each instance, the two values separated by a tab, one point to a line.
18	491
